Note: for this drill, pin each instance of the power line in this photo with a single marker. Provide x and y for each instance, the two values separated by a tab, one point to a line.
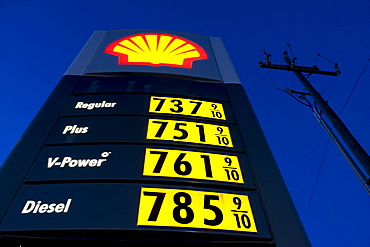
326	30
272	101
304	156
354	30
354	87
347	137
293	22
317	179
269	24
264	45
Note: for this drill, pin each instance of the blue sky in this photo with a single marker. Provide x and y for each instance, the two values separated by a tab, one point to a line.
40	39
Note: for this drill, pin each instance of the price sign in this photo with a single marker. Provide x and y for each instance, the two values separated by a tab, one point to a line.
195	209
190	107
196	165
184	131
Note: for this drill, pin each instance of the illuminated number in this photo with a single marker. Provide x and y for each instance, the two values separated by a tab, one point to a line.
234	174
196	108
161	129
244	219
218	213
216	114
237	202
184	132
194	132
228	161
157	204
160	162
207	165
202	136
190	164
161	102
164	207
223	140
178	104
179	163
178	217
190	107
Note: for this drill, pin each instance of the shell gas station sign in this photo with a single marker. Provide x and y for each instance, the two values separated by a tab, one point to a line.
156	49
149	138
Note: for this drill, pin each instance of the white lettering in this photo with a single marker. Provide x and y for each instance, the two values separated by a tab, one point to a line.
59	208
43	208
67	205
28	207
32	206
52	162
93	105
66	129
101	161
75	129
83	163
70	162
65	161
73	163
93	162
79	105
37	207
51	208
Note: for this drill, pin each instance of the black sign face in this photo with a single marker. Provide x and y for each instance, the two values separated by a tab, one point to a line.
142	160
127	206
137	129
72	206
105	104
147	104
151	149
153	84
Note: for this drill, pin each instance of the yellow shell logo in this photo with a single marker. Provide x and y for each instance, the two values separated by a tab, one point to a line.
156	49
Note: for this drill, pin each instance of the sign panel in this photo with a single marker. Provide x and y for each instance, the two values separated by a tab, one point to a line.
82	162
151	138
155	85
72	206
134	210
103	104
138	104
128	129
142	163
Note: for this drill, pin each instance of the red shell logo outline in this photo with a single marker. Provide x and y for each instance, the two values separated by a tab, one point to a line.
156	49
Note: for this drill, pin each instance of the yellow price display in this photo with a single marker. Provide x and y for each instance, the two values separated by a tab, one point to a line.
195	209
184	131
188	164
190	107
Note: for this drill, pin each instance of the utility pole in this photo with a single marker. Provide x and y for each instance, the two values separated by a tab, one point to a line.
350	141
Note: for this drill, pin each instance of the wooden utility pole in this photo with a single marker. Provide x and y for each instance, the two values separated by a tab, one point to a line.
353	145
